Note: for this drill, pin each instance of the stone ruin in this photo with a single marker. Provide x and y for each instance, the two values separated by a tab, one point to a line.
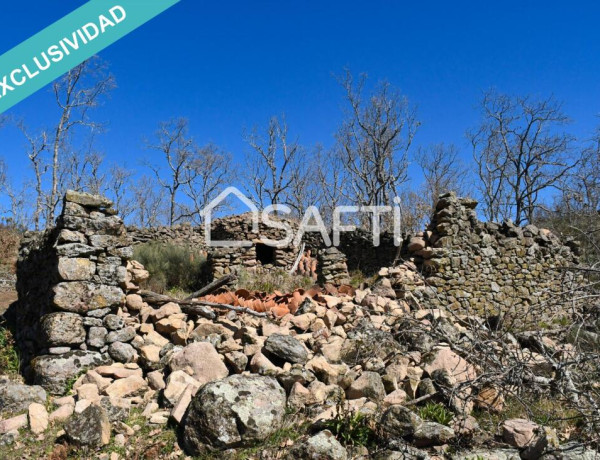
71	282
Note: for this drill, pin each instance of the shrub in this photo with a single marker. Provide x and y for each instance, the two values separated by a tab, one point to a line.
9	357
351	428
172	267
436	412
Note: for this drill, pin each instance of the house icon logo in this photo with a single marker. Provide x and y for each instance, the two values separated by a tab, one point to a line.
207	213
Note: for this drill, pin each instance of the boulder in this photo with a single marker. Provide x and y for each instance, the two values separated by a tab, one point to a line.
286	348
204	361
519	432
234	412
457	367
53	372
38	418
322	446
432	434
16	397
87	199
89	428
63	329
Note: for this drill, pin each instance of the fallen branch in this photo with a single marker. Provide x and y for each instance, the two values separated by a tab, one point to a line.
412	402
195	307
212	287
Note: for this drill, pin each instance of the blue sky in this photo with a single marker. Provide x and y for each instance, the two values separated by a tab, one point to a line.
230	65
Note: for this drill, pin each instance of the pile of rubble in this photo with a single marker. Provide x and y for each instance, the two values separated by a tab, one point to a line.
229	382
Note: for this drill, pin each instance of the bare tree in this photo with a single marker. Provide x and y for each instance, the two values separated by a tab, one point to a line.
275	165
443	172
149	203
373	142
520	151
209	170
36	148
76	94
180	154
119	189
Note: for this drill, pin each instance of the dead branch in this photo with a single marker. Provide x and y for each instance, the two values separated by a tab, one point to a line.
212	287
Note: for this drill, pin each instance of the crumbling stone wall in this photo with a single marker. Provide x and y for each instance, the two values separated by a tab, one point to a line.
71	283
488	267
178	235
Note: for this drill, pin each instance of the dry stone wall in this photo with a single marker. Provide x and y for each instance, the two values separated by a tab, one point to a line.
179	235
71	284
487	267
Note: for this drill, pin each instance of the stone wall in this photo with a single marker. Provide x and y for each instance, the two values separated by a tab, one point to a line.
487	267
71	284
179	235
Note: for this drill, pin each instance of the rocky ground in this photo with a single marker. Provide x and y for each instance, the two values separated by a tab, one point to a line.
365	373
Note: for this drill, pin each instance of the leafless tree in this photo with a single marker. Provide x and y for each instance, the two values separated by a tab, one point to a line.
443	172
209	171
77	93
520	151
373	142
275	164
35	150
149	203
119	189
180	154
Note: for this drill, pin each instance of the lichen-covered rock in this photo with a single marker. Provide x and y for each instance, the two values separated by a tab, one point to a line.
82	296
76	269
398	422
122	352
16	397
322	446
368	385
286	348
432	434
89	428
233	412
53	372
87	199
63	329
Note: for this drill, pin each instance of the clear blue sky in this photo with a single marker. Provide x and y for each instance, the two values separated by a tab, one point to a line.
226	65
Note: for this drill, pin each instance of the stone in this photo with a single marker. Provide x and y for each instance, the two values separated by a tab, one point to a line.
122	352
237	361
54	371
87	199
493	454
97	336
203	359
399	422
128	386
62	414
134	302
432	434
236	411
114	322
123	335
117	408
76	269
13	423
396	397
286	348
183	402
519	432
156	380
89	428
16	397
322	446
368	385
166	310
82	296
63	329
490	398
150	353
176	384
446	359
38	418
118	371
88	391
260	364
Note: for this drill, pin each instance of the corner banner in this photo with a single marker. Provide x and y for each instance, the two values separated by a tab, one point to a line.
68	42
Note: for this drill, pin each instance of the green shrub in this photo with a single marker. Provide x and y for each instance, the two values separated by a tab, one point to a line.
436	412
9	356
172	267
351	428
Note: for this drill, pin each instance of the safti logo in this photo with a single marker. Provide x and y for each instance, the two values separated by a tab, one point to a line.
311	221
